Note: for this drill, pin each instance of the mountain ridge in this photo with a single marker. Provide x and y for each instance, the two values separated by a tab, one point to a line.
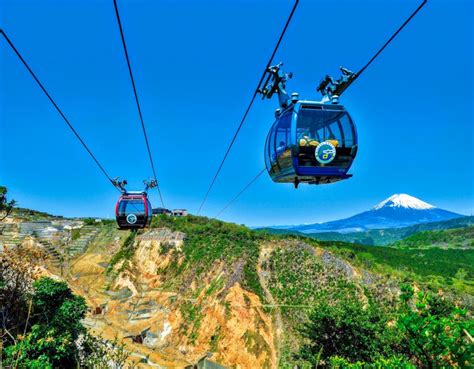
380	237
396	211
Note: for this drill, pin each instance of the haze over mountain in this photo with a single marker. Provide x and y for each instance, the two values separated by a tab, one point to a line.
399	210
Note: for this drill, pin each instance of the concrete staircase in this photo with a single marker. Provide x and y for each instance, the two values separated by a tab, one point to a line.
79	246
54	254
9	235
12	234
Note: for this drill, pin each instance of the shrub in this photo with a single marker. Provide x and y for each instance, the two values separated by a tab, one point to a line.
394	362
427	332
54	315
436	333
348	329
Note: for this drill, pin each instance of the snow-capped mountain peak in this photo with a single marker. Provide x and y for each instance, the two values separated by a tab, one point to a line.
403	201
399	210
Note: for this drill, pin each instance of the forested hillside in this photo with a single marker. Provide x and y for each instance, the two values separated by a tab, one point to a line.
380	237
461	238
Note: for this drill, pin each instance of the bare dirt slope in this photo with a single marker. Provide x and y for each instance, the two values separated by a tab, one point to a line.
170	328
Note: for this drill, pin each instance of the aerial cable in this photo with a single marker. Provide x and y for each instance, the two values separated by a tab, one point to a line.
391	38
136	100
55	105
336	88
254	179
257	89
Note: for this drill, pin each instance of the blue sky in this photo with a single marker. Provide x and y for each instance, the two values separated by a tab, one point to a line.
196	64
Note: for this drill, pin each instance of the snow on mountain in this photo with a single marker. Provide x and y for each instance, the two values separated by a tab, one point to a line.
399	210
403	201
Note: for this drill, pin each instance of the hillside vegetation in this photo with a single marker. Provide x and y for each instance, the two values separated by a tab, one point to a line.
191	286
31	215
451	269
299	282
210	241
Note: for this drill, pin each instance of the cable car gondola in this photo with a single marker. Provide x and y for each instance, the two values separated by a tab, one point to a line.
312	142
133	209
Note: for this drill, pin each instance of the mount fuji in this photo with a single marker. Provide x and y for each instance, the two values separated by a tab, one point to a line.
399	210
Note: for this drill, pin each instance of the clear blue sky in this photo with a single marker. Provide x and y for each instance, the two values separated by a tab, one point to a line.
196	64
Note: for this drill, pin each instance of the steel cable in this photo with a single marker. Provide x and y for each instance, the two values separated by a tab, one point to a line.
248	108
55	105
137	101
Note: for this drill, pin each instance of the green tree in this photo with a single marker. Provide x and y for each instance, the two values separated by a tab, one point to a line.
16	279
347	328
5	206
436	333
55	316
427	331
40	321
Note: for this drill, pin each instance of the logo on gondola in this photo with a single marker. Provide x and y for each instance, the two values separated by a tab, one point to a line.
131	218
325	152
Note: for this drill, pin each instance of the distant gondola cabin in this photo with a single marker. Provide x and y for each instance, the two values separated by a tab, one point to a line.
133	211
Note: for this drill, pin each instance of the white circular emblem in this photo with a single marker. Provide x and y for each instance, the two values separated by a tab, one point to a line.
131	218
325	152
